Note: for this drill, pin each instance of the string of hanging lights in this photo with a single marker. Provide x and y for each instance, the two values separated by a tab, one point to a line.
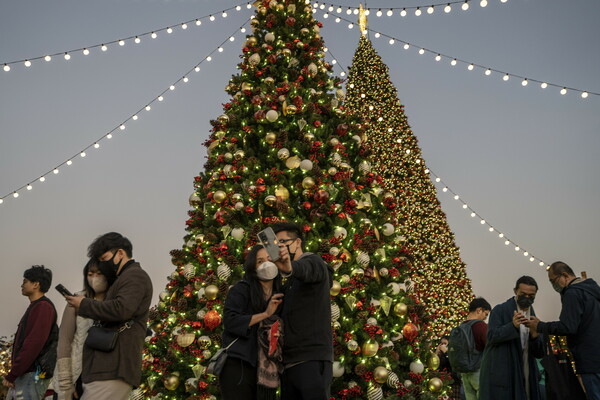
121	127
470	66
136	39
402	11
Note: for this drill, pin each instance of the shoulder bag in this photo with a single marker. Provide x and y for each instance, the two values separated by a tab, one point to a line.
217	361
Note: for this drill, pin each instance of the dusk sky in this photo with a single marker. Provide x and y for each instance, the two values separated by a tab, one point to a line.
526	159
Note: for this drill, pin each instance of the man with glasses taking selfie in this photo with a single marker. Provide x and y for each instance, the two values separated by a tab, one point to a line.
308	343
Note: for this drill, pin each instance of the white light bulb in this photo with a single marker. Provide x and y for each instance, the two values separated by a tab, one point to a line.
541	263
55	171
29	187
392	41
473	215
377	35
465	6
505	77
501	235
169	30
407	151
198	22
47	58
121	43
362	95
349	11
355	11
337	20
506	242
488	72
525	253
333	62
224	15
1	201
330	9
367	11
137	40
172	87
342	73
15	195
122	127
491	229
338	10
531	259
109	136
447	9
379	13
42	178
135	118
82	154
517	248
209	58
544	85
325	15
430	10
238	8
197	69
69	162
185	79
438	57
483	3
103	47
390	13
524	83
153	35
464	206
445	189
584	95
148	108
482	222
403	12
231	39
220	49
436	179
160	98
6	68
470	67
563	91
96	145
418	11
426	171
27	63
350	26
456	197
406	46
67	56
453	62
422	51
184	26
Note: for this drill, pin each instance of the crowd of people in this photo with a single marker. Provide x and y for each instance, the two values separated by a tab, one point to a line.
278	335
65	363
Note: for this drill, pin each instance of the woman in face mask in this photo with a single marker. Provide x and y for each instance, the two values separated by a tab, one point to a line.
254	332
66	381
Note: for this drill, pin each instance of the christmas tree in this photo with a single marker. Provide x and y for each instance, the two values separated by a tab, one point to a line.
284	150
440	277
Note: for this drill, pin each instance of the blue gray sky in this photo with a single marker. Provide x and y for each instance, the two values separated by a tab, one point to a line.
524	158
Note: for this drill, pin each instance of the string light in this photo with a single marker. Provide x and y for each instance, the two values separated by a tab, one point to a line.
584	94
121	126
121	42
390	11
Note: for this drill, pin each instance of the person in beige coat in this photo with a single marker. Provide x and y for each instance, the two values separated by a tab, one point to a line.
110	375
66	382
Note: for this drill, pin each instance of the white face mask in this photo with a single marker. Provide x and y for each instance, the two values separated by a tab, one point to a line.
98	283
267	271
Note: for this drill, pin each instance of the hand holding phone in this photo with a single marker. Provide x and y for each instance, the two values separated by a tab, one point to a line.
269	241
63	290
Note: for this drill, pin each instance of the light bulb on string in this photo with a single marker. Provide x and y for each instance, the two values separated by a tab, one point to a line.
390	12
448	8
121	42
6	68
47	58
169	30
563	91
483	3
453	62
505	77
153	35
27	63
430	10
465	6
470	67
418	11
403	12
137	40
67	56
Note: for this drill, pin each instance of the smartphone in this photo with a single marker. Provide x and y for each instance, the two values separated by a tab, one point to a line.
269	241
63	290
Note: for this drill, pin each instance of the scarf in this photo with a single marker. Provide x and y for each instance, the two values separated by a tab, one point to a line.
270	356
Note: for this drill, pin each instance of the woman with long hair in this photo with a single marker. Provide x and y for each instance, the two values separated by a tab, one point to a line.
73	332
253	331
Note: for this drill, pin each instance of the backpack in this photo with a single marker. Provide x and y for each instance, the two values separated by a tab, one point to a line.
462	354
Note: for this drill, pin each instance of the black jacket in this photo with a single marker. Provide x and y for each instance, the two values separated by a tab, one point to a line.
307	311
236	318
579	321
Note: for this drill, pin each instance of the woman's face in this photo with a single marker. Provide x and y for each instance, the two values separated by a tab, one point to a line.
96	280
261	257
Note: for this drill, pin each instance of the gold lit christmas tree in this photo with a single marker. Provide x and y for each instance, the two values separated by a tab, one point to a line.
441	282
284	150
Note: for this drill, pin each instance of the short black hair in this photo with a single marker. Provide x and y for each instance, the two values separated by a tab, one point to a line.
290	227
41	275
527	280
109	241
559	268
479	302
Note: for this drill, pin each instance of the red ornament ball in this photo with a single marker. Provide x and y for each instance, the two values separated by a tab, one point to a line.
410	331
212	319
321	196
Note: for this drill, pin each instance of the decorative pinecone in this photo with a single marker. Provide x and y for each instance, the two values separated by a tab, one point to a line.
360	369
324	247
282	136
282	207
153	314
216	338
211	279
232	261
316	170
339	350
223	288
181	303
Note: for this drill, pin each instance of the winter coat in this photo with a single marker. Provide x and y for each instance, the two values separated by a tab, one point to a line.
236	318
307	311
579	321
127	299
501	374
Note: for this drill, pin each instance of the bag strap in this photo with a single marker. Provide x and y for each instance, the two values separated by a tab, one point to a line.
231	344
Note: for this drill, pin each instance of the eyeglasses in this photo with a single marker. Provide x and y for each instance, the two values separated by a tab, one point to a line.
553	280
284	241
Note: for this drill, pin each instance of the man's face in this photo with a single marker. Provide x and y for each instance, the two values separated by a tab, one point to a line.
118	257
557	279
526	290
288	239
482	314
28	288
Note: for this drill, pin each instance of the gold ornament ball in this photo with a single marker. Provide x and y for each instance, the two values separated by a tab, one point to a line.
246	86
270	200
157	327
434	362
282	193
304	31
300	45
204	341
271	137
283	154
352	345
280	7
185	339
335	288
223	118
332	171
286	52
194	200
172	381
308	182
291	109
251	41
269	80
435	385
236	197
238	155
211	292
380	374
308	136
292	162
400	309
219	196
370	348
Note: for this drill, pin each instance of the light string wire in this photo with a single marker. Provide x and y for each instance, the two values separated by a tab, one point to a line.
403	13
133	117
470	65
121	42
465	206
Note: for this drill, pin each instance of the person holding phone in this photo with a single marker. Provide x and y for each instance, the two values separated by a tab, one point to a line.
254	331
66	382
308	346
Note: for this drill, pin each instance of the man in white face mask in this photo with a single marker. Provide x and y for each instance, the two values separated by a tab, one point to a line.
308	345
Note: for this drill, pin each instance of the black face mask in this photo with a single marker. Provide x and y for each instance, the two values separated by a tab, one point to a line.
524	302
109	264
